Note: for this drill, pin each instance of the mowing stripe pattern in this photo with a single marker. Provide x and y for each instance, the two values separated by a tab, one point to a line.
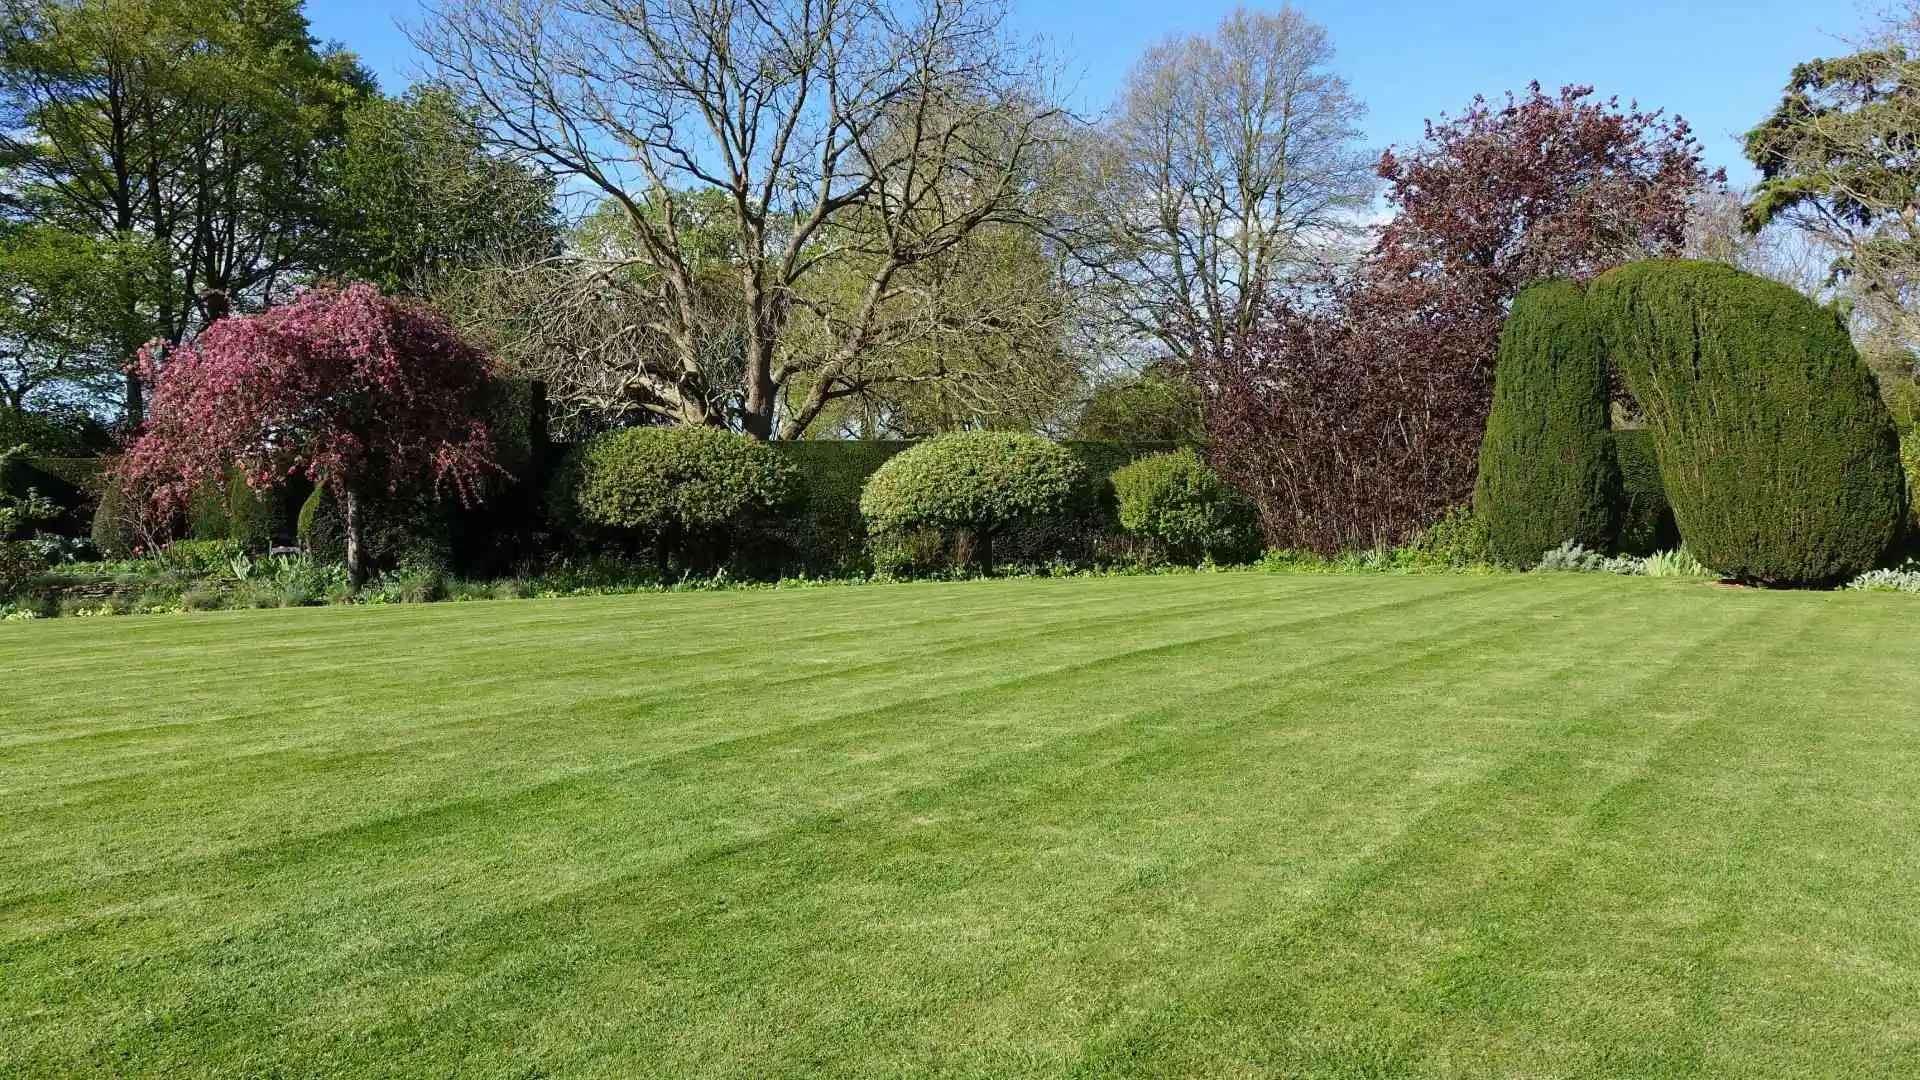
1210	825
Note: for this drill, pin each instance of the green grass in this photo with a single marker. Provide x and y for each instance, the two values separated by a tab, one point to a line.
1227	825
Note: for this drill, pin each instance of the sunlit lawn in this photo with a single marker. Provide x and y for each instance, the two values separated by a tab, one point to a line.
1217	825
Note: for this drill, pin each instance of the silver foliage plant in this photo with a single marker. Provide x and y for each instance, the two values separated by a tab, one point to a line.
1903	579
1571	557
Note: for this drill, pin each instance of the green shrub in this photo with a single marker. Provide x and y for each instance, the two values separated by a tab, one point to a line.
1185	510
825	531
415	583
232	510
972	487
911	553
116	532
1644	522
201	557
1777	453
409	529
1458	541
318	526
207	513
684	491
1547	474
203	598
20	564
259	594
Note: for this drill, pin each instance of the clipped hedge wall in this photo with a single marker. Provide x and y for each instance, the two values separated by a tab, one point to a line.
824	531
18	475
1777	453
1644	523
1184	511
1546	472
233	510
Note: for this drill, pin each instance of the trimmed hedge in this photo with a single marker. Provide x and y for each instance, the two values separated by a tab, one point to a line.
971	487
681	491
235	511
18	475
1180	507
824	531
825	534
1777	453
1644	523
1546	472
820	531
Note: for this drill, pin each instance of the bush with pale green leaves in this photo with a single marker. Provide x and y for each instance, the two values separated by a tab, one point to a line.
971	487
1184	511
678	489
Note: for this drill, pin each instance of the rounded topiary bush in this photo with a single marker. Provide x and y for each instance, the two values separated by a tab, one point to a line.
684	491
1182	508
970	487
1778	456
116	527
1547	473
230	509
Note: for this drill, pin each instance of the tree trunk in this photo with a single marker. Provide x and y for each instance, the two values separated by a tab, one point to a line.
356	552
134	403
759	394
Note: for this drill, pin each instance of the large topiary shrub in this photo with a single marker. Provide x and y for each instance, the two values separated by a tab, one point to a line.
1547	473
1778	456
681	491
1179	506
228	508
972	487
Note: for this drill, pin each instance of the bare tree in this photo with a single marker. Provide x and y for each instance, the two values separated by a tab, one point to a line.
1717	232
839	132
1229	164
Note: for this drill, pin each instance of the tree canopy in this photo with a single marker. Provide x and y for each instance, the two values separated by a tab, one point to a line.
369	396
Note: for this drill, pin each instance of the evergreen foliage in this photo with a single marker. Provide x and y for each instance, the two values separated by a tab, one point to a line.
1644	520
1547	474
675	489
1181	507
970	486
1779	457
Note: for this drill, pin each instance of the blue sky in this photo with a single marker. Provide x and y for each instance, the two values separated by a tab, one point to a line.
1719	63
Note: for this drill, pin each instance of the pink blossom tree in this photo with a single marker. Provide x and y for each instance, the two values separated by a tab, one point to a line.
366	394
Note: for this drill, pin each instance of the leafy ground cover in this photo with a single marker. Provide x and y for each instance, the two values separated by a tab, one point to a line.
1208	825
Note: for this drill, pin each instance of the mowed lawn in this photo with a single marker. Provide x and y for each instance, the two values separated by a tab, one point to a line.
1229	825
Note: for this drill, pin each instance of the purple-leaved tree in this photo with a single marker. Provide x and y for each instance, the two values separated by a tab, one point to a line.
366	394
1354	418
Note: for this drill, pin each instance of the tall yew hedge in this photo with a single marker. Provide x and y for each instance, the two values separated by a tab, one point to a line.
1781	462
1547	473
